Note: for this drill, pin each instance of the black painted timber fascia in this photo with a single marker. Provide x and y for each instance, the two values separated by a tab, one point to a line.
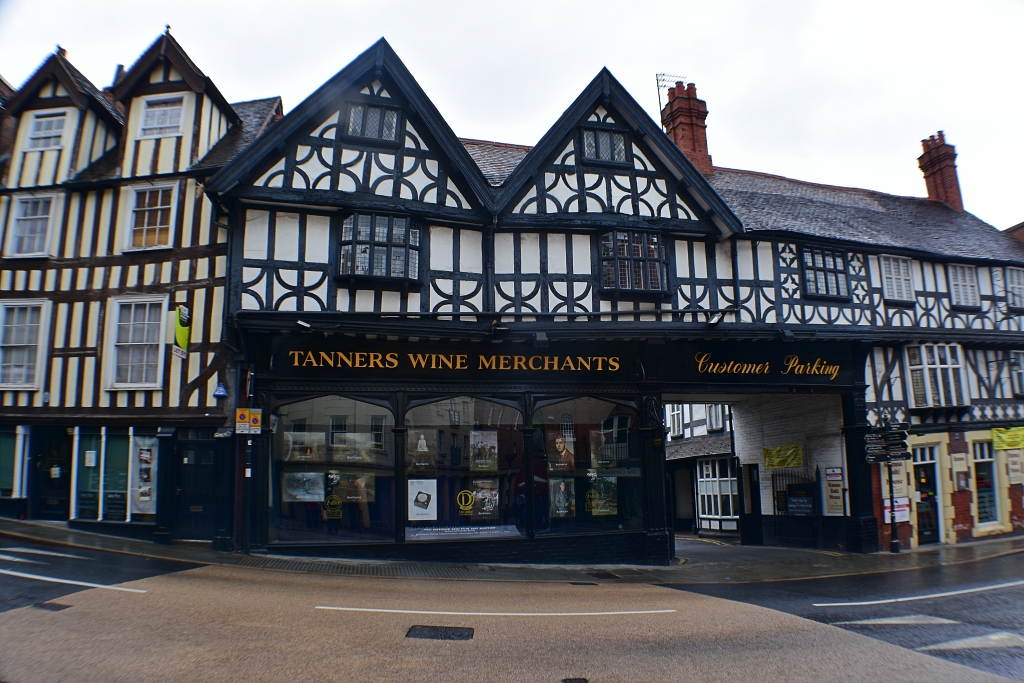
605	86
378	56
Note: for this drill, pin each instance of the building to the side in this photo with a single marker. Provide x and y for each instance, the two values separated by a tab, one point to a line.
113	275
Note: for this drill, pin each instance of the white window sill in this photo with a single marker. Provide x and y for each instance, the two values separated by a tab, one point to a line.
159	247
160	136
44	149
37	254
135	387
19	387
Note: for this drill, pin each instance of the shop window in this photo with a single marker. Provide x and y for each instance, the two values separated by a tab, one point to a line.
1015	287
332	472
718	494
8	444
897	282
604	145
464	464
593	483
935	375
985	482
380	246
963	286
825	273
367	121
632	262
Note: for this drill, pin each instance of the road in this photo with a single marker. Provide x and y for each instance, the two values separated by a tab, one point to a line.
161	621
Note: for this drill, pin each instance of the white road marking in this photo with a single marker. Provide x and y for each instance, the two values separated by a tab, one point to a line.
947	594
12	558
998	639
909	620
51	553
495	614
69	582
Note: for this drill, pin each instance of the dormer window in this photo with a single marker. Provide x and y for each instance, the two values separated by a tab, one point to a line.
367	121
604	145
380	246
47	131
162	118
632	261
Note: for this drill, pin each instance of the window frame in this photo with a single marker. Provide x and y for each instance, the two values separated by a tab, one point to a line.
32	134
592	126
1014	290
159	99
983	453
952	288
114	318
388	244
907	279
17	201
805	269
382	103
931	393
719	410
615	259
1017	372
130	199
41	342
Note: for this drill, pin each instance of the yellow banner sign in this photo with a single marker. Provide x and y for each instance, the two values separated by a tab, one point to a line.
1008	439
784	456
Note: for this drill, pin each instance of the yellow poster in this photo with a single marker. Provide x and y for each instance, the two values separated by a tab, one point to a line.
1008	439
182	332
784	456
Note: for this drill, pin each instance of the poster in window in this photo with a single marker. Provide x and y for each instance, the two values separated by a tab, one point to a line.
304	446
302	487
560	451
485	499
421	450
352	447
562	497
351	486
602	448
423	499
603	496
142	497
483	451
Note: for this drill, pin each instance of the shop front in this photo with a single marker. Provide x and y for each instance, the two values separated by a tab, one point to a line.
482	451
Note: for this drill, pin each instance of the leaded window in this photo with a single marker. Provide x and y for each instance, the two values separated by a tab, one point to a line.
162	118
47	131
604	145
368	121
963	285
138	342
1015	287
825	273
31	226
19	344
151	218
897	282
935	375
632	261
380	246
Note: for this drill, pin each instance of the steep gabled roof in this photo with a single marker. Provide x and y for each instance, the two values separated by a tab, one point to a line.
605	88
167	48
772	203
378	58
6	90
80	89
256	116
496	160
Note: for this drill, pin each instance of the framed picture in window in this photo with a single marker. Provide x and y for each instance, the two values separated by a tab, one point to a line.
483	451
305	446
560	451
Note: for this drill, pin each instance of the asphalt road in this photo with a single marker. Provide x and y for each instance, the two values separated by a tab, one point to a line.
962	613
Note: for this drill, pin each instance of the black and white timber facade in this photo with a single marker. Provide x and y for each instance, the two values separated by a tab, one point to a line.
465	349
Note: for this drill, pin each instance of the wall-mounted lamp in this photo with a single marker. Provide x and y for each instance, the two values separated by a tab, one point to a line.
303	323
717	319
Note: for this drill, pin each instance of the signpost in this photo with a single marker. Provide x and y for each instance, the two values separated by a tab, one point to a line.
888	443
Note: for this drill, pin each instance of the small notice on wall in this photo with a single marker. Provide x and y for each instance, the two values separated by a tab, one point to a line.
241	420
899	480
1015	466
784	456
902	509
1008	439
834	491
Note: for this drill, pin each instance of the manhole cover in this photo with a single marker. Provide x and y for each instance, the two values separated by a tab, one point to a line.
50	606
440	633
603	575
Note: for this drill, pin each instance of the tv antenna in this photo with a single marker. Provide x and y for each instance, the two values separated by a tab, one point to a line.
666	81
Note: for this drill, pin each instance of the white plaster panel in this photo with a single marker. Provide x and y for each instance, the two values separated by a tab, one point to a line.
254	245
441	248
745	259
723	259
343	300
390	302
364	300
471	251
286	237
581	254
765	262
318	233
700	265
557	258
529	259
682	259
504	253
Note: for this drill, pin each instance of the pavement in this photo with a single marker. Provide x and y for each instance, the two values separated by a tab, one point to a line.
699	560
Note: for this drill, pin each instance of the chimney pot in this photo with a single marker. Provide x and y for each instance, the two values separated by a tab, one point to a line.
938	163
684	120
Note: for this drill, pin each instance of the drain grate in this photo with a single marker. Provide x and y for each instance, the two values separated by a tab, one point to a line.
440	633
603	575
50	606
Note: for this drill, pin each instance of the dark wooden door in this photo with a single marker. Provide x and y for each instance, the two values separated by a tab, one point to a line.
751	529
194	492
50	452
928	506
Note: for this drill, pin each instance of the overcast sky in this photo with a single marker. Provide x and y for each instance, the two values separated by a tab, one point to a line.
836	93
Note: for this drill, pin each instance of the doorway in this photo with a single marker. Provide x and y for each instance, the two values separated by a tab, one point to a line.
195	486
50	453
927	490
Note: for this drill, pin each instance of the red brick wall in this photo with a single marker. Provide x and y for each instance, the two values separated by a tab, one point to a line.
904	530
1017	507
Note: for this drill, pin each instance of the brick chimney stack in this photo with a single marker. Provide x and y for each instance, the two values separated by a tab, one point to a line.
938	163
683	118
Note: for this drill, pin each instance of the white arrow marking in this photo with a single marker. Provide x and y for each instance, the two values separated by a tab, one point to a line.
909	620
495	614
69	582
999	639
12	558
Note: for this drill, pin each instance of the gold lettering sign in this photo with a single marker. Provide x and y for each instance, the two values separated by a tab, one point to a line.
452	361
791	365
